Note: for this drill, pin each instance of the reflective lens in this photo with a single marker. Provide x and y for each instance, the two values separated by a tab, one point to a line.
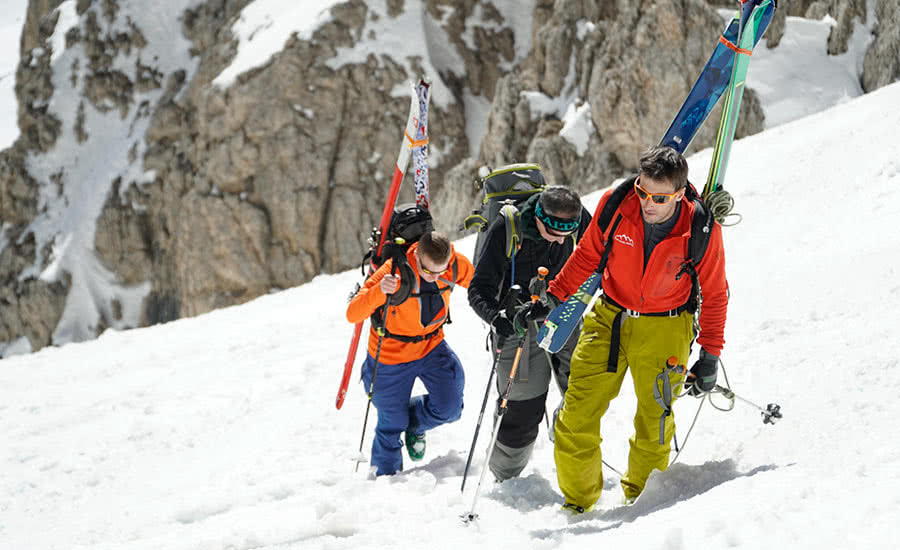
657	198
553	233
427	271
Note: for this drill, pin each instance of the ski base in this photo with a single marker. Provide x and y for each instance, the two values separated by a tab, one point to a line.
562	321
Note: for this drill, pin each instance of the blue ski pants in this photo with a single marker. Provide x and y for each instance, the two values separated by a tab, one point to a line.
442	375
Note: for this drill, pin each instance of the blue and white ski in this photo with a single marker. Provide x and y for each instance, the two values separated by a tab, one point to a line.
714	78
561	322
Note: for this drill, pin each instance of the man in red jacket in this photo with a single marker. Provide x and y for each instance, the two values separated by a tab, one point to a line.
641	320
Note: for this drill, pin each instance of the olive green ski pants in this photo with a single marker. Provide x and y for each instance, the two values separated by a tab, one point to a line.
645	345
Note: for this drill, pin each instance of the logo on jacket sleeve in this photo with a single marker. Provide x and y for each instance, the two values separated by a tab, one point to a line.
624	239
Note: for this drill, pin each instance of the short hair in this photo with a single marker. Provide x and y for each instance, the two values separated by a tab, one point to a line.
435	245
665	163
561	202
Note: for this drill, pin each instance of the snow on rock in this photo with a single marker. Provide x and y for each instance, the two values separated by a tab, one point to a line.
578	127
76	177
264	26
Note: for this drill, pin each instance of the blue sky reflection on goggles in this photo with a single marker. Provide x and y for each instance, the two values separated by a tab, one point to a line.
565	225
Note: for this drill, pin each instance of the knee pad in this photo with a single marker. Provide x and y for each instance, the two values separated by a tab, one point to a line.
521	422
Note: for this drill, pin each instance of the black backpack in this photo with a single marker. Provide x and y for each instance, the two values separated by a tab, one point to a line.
409	222
502	190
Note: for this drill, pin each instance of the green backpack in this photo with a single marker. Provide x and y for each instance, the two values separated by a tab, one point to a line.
502	191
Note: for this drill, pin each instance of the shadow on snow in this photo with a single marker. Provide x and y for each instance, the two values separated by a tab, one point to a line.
679	483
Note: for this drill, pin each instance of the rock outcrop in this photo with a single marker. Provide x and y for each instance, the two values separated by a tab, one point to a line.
230	191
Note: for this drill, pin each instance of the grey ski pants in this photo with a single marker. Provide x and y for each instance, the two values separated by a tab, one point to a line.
527	399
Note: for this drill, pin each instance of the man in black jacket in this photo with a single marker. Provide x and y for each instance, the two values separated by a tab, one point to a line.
550	223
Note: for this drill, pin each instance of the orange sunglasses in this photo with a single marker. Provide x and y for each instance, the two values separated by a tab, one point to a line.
657	198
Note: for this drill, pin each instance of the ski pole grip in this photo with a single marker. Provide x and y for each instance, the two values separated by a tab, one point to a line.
540	284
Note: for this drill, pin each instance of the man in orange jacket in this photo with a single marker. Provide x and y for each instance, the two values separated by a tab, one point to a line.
641	320
413	347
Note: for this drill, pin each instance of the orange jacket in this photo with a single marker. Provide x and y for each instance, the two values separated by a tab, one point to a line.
405	319
654	289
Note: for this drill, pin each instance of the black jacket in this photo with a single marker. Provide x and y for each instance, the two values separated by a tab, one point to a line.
492	274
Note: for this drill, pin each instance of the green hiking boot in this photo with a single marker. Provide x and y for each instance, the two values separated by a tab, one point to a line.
415	446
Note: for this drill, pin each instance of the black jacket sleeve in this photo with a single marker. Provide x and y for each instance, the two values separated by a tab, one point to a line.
485	288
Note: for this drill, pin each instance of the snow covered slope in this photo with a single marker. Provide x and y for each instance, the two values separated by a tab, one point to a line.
220	431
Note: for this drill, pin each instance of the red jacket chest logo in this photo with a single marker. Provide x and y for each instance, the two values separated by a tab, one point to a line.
624	239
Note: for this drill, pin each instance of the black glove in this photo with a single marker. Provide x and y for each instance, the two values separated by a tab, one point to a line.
538	311
533	311
704	371
502	326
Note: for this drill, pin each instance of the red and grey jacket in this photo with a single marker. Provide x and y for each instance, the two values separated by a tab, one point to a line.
653	289
413	339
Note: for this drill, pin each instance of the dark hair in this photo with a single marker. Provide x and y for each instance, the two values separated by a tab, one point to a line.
435	245
665	163
561	201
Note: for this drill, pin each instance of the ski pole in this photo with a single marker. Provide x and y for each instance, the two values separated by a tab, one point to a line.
399	241
502	408
509	305
770	414
498	419
487	393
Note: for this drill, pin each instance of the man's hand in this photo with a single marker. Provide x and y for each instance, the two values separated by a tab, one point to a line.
390	283
533	311
538	311
503	326
704	373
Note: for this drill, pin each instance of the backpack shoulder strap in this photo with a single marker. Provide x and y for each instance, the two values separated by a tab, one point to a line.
511	217
618	195
454	271
701	226
701	229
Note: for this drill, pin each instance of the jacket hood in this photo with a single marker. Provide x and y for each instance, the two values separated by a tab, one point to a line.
526	218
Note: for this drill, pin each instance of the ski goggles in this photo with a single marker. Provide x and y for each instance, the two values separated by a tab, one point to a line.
657	198
561	227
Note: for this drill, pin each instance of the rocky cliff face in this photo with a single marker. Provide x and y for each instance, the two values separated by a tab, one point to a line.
210	194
